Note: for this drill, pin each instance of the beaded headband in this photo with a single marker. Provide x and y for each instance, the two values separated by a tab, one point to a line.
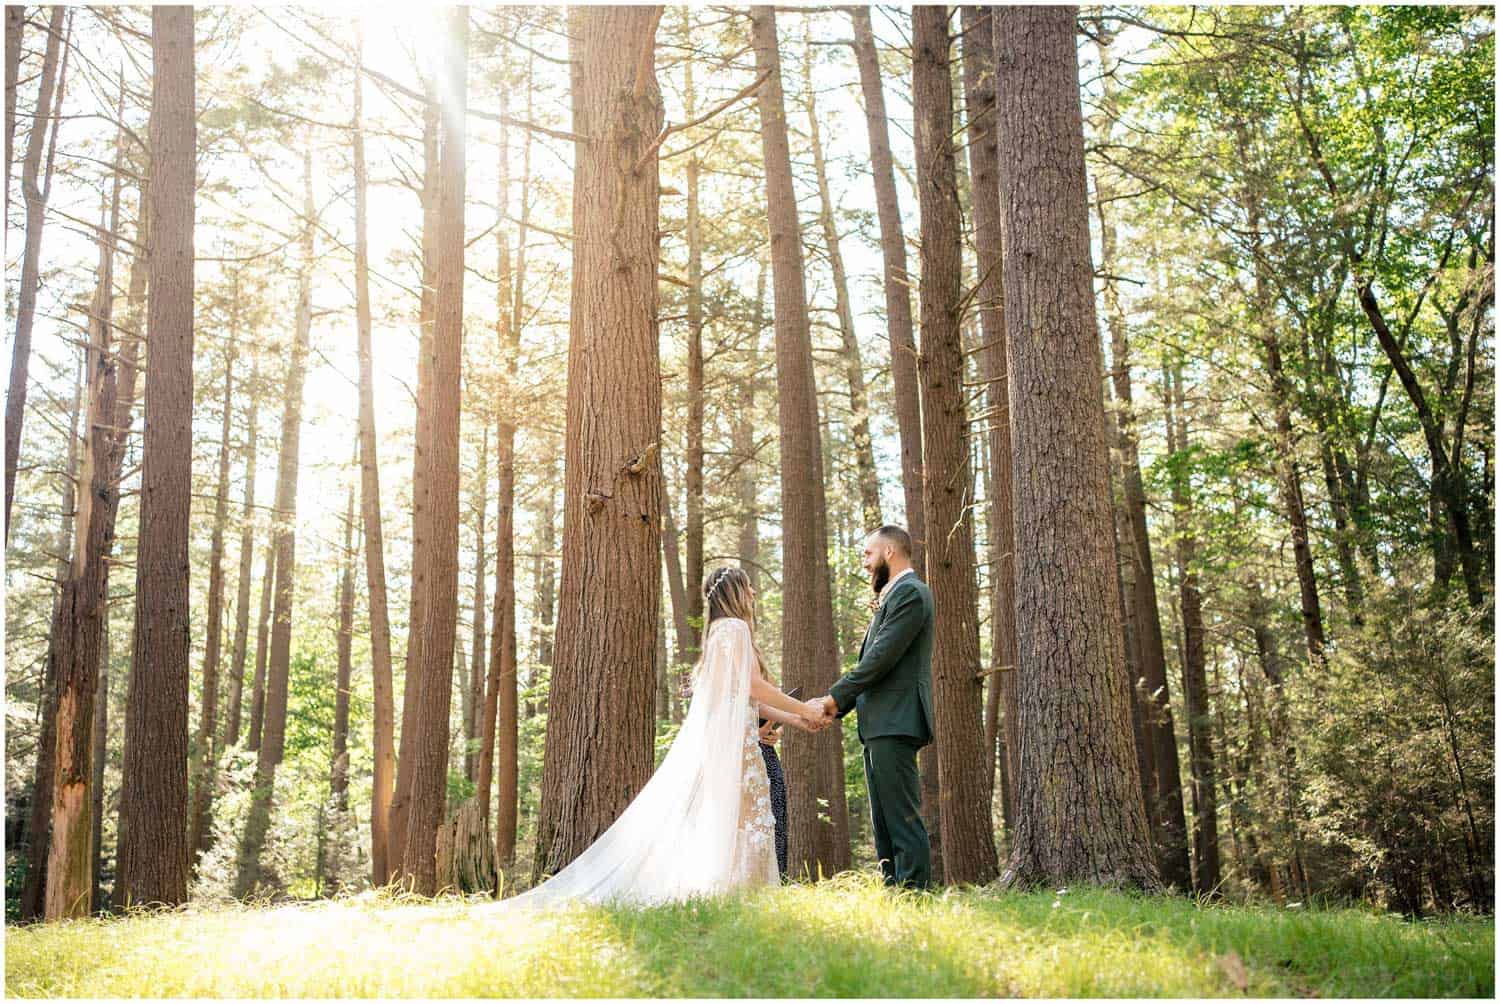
718	579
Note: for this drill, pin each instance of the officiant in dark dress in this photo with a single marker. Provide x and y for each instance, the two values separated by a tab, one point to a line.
770	733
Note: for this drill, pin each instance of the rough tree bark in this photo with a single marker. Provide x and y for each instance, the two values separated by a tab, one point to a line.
427	763
153	849
984	175
606	621
1079	815
898	283
818	817
693	539
964	773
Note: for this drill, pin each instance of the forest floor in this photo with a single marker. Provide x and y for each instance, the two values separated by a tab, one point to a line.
843	938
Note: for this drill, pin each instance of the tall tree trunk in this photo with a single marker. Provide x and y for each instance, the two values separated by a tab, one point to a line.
62	845
545	573
1148	657
262	646
501	696
1078	811
153	800
427	765
594	765
205	755
816	808
984	174
964	770
100	753
278	666
383	724
677	589
247	561
473	690
35	191
421	518
897	282
693	542
1206	876
339	767
859	407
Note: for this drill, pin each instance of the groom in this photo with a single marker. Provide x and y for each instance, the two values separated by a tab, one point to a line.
891	688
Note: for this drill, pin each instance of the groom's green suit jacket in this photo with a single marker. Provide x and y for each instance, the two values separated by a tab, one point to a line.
891	685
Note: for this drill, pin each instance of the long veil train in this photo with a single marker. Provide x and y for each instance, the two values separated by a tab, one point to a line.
702	824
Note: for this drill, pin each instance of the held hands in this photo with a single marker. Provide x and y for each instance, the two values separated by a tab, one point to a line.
818	713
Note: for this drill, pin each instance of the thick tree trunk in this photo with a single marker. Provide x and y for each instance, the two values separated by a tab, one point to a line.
984	174
35	191
205	751
1078	811
153	800
278	666
100	753
859	407
247	561
595	764
964	770
898	282
1206	875
1148	654
383	724
816	809
427	764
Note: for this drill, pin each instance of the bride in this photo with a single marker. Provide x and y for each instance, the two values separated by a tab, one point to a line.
702	824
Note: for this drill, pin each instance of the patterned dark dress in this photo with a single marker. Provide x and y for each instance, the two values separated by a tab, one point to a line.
778	801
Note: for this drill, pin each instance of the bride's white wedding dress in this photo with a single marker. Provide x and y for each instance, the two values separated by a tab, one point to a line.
702	825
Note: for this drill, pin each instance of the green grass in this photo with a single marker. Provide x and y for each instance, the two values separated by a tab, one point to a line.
843	938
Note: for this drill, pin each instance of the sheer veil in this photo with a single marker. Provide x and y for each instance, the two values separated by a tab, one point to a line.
702	824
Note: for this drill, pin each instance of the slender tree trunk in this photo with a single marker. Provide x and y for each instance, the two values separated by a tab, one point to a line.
677	589
35	192
153	803
205	753
595	764
62	839
742	445
427	765
816	809
100	754
859	407
247	561
339	768
1206	877
984	173
693	542
1078	813
473	691
1148	655
278	666
964	769
383	724
262	647
421	483
897	282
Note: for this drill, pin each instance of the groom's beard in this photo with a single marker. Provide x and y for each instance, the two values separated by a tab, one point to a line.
882	575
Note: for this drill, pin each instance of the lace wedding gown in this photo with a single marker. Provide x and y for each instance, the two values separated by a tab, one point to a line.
702	825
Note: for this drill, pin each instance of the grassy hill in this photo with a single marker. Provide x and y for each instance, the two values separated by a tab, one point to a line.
843	938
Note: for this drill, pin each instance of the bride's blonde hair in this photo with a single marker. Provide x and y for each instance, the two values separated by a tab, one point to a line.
726	593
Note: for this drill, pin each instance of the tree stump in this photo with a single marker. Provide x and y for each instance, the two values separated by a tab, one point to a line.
465	855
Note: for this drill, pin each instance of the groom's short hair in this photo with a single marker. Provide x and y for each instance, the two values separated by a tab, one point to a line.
896	536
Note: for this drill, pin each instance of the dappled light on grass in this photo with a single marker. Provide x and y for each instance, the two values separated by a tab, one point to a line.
847	937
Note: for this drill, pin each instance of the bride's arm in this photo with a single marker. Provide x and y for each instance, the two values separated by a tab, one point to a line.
771	698
785	718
